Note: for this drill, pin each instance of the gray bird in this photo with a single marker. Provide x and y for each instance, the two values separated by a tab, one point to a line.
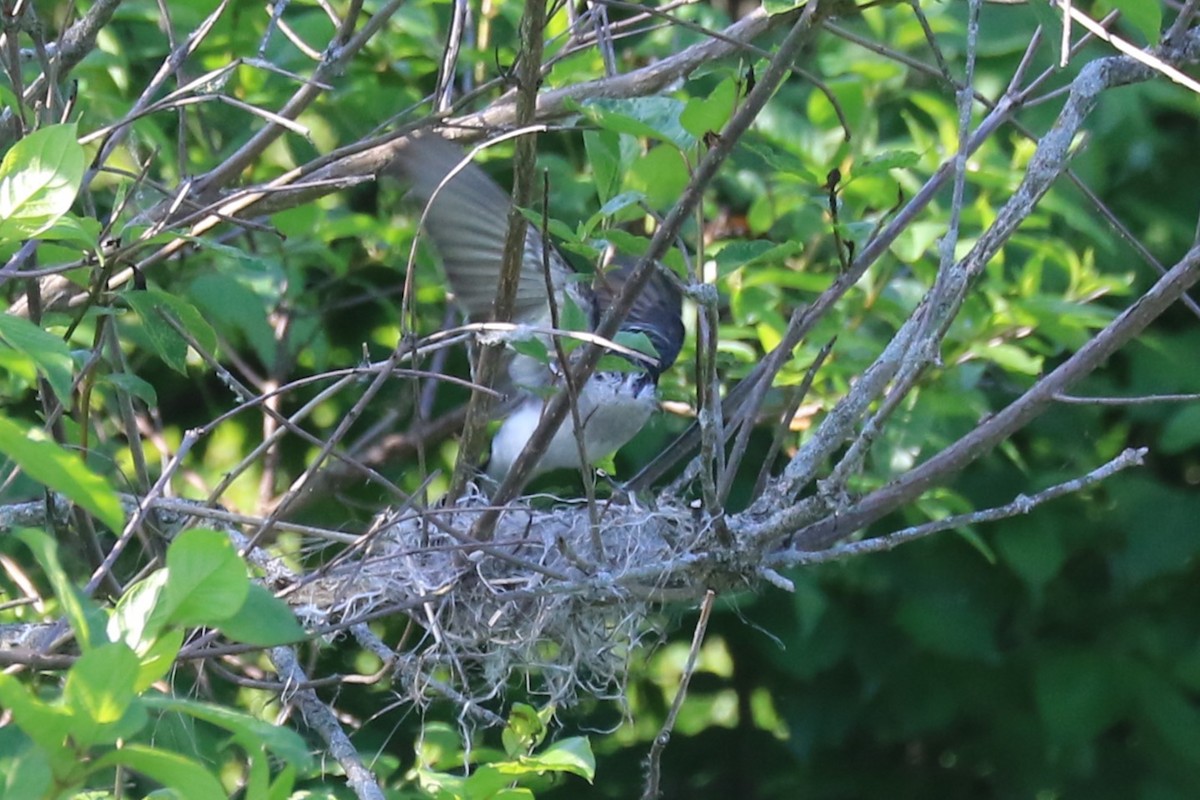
466	217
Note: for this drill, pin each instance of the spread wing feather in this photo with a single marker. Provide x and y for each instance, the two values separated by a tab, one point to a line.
466	216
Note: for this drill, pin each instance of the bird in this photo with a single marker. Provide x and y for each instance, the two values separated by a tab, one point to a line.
465	215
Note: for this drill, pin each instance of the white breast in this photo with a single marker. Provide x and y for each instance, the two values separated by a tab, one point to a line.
613	407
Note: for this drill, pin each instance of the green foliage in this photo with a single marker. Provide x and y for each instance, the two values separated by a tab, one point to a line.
501	775
39	179
1054	655
166	319
28	351
61	742
50	465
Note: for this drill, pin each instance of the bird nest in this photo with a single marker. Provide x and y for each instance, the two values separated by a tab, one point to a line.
559	596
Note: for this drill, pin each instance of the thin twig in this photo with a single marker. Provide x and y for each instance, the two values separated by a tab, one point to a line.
789	414
654	758
1138	400
321	719
1131	457
533	23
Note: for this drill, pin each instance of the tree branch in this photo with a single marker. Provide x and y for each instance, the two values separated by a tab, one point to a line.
937	469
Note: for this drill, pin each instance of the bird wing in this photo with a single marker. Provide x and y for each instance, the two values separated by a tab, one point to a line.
466	216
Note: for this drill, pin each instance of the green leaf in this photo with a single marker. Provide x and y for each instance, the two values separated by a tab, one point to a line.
24	769
533	347
604	154
237	255
237	304
39	179
524	731
657	117
206	580
154	308
100	694
47	725
1160	521
705	114
1076	696
1181	432
52	466
738	254
1143	15
182	775
439	747
443	785
1051	21
82	233
611	363
1167	711
626	243
158	659
81	614
138	620
783	162
981	546
773	7
485	782
258	778
21	369
556	228
573	755
1011	357
166	341
250	732
636	340
661	175
284	783
258	782
140	613
620	202
1033	549
885	161
571	316
263	620
48	352
133	385
947	623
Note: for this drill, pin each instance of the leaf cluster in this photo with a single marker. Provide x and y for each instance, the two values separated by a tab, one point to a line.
102	722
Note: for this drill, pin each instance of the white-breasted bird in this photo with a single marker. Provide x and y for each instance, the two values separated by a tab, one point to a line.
466	217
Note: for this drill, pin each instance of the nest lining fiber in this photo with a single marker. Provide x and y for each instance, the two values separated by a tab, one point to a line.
558	597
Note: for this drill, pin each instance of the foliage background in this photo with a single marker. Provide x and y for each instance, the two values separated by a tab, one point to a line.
1055	654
